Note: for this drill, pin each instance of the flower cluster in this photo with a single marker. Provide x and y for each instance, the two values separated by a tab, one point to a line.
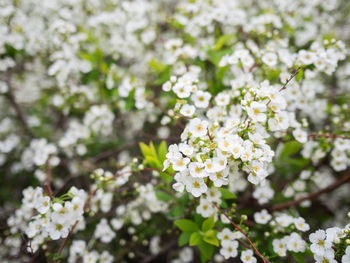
41	218
173	130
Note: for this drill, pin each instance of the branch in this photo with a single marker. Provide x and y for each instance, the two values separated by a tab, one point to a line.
66	239
286	83
244	233
333	136
345	179
289	79
17	108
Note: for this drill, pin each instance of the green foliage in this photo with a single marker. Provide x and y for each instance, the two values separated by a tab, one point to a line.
289	162
163	196
222	40
195	239
155	158
204	237
184	238
162	151
208	224
299	257
206	251
227	194
186	225
210	237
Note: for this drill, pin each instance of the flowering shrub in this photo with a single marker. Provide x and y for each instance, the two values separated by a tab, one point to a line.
174	131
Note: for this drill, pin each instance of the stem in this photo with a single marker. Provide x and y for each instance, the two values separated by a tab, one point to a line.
48	190
289	79
210	137
66	239
334	136
11	98
345	179
244	233
287	82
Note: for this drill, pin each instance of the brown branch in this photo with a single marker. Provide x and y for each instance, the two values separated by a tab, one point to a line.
287	82
289	79
345	179
11	98
210	137
66	239
87	203
333	136
243	232
48	190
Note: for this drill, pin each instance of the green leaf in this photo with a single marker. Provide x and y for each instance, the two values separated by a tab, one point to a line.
227	194
195	239
146	151
222	41
184	238
290	148
153	162
162	151
206	251
153	150
300	75
208	224
210	238
177	211
299	257
215	56
58	200
162	196
156	65
186	225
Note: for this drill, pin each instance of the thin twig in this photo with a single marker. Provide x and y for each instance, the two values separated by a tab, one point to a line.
11	98
243	232
48	190
333	136
345	179
210	137
289	79
287	82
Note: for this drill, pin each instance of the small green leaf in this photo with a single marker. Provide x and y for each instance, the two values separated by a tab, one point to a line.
153	161
153	150
184	238
162	196
58	200
227	194
195	239
215	56
299	257
146	151
162	151
208	224
156	65
186	225
177	211
222	41
290	148
300	75
206	251
210	238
